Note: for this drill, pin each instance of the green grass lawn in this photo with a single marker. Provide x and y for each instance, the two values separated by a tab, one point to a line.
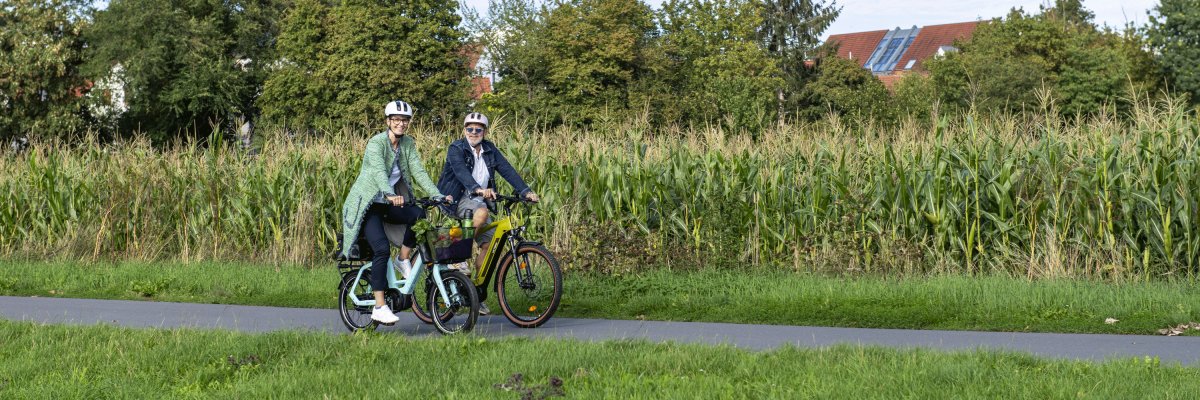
761	296
90	362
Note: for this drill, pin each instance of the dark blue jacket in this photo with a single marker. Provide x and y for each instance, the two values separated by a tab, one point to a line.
456	179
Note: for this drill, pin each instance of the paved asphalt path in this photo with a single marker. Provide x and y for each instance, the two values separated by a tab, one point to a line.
144	314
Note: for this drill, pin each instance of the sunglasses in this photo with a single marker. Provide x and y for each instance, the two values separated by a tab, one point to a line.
475	131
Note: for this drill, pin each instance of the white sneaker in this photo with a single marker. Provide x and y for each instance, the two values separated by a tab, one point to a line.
405	268
483	310
464	267
384	315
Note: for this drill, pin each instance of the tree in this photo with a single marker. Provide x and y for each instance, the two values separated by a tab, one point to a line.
1007	62
292	95
1174	33
342	62
186	65
568	62
509	37
715	70
844	88
41	51
791	32
915	96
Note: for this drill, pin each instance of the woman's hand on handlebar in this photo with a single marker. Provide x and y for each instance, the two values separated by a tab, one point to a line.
395	200
532	197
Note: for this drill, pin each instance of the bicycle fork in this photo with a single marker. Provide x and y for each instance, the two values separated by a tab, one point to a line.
437	279
524	273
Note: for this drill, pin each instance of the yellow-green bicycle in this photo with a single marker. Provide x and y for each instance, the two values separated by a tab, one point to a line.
528	281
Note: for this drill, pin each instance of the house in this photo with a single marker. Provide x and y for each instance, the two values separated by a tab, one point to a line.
481	79
892	54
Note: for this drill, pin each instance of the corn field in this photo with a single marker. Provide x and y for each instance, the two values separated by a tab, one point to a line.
1029	195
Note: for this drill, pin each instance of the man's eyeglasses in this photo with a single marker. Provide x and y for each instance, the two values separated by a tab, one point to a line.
398	119
475	131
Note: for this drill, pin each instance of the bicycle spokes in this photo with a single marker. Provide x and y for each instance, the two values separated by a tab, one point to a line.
525	273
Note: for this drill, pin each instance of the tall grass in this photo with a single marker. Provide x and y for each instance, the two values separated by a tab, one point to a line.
1028	195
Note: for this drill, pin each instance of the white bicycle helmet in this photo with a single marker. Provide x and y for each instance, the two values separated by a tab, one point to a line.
476	118
397	107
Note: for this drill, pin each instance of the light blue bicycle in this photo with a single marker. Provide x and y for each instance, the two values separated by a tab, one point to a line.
451	296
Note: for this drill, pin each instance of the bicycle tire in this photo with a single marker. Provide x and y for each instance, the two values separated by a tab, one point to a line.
356	318
522	311
464	299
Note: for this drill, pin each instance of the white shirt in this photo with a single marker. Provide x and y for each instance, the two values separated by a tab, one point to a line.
480	172
395	177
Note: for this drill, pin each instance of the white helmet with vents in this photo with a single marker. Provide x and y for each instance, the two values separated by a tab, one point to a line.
476	118
397	107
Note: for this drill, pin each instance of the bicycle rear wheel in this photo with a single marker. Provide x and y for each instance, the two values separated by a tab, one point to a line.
355	317
460	314
529	288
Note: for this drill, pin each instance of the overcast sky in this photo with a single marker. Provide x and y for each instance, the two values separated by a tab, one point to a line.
870	15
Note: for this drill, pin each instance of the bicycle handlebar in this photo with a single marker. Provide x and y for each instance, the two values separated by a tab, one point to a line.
427	202
514	199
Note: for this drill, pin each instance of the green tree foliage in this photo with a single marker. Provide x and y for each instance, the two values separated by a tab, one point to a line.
341	62
187	65
571	61
714	68
844	88
598	54
915	96
791	31
581	61
41	50
1174	32
292	94
1008	62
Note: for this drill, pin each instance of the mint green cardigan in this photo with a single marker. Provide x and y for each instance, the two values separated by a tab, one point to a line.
373	181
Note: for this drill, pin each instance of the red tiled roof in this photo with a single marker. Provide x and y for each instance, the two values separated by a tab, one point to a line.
471	51
930	39
889	81
479	86
856	46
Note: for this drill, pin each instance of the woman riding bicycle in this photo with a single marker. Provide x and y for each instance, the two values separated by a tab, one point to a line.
391	162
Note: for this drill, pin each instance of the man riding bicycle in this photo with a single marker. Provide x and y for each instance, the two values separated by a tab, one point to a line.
469	174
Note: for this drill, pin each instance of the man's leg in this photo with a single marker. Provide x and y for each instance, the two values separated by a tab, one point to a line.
479	220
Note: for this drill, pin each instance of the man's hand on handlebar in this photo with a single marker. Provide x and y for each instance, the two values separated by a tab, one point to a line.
486	193
532	197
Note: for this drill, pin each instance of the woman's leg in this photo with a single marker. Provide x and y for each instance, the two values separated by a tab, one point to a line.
406	215
373	229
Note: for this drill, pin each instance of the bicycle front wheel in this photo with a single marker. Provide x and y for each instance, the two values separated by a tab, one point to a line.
530	287
459	314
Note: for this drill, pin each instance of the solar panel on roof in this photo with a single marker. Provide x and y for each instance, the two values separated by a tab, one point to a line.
887	54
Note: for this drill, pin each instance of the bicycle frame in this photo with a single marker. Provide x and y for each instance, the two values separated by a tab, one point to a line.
503	227
408	284
506	238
